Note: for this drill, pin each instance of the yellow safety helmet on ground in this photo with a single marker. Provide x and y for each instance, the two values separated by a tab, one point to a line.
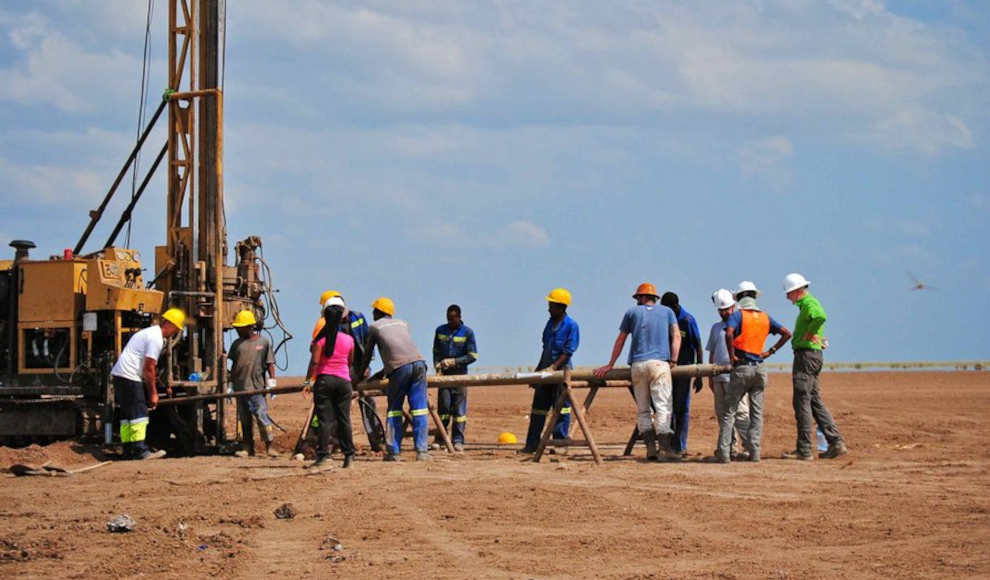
385	305
176	316
245	318
327	296
507	439
560	296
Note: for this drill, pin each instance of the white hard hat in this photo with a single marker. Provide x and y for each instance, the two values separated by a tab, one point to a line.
794	281
333	301
723	299
747	286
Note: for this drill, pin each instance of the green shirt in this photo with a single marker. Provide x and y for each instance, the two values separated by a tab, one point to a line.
810	320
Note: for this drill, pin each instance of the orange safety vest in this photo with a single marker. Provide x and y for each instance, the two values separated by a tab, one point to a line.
753	331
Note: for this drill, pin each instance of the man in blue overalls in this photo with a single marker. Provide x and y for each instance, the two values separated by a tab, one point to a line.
454	348
560	340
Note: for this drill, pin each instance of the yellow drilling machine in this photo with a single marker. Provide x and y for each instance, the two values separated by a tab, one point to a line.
64	319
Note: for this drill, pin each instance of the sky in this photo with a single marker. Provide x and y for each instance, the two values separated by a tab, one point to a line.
485	152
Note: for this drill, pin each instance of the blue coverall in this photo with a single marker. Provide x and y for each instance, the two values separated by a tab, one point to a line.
461	346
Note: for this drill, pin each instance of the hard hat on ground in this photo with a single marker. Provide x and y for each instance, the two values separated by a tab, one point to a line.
507	439
245	318
327	296
333	301
385	305
560	296
794	281
747	286
723	299
176	316
646	289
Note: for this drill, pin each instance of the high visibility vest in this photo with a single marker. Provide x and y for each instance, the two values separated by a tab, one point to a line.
754	328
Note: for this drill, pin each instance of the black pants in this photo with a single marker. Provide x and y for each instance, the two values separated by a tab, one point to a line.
332	397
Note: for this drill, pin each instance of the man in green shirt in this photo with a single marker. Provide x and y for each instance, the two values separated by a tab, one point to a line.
808	343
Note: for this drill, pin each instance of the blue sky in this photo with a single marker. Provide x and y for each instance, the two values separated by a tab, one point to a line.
484	153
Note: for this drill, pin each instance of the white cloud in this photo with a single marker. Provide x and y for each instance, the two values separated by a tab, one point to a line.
43	186
523	233
765	159
921	131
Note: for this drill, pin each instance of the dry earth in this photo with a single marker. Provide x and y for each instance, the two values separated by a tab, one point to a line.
912	500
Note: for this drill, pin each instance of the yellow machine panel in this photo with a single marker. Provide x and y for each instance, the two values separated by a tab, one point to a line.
51	291
116	283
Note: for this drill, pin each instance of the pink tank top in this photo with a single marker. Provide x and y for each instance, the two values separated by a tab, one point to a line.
336	365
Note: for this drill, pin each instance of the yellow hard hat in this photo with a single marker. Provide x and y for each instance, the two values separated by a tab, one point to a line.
328	295
176	316
385	305
507	439
560	296
245	318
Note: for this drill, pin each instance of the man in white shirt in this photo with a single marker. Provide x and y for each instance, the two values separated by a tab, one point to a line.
718	354
134	382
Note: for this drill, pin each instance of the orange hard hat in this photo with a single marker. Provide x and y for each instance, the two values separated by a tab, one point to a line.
646	289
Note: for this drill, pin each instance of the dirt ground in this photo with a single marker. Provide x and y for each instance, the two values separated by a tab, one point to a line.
911	500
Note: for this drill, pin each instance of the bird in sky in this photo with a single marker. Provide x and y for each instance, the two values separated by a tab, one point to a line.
918	284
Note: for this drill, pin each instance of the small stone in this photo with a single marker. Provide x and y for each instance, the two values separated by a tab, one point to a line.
338	548
285	512
121	524
299	457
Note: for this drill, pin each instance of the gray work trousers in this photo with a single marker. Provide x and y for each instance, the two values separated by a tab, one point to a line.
745	380
719	389
809	408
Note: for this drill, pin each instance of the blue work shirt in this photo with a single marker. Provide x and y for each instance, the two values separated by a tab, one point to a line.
459	345
561	340
735	323
649	327
690	338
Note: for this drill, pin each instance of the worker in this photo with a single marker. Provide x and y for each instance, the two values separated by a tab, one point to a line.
691	353
252	356
718	354
561	337
656	343
331	361
808	344
135	382
354	324
454	348
745	338
406	372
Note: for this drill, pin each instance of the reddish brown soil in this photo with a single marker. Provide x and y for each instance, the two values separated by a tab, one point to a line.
912	500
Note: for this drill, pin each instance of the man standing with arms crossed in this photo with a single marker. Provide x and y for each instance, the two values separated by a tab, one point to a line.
808	343
745	336
454	348
656	342
135	382
690	353
718	354
406	372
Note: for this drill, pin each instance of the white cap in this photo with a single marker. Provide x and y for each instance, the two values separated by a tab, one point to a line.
794	281
333	301
723	299
747	286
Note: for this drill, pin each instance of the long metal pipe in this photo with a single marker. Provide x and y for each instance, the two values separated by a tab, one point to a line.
543	378
617	378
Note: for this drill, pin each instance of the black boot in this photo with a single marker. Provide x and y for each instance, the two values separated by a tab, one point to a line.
650	438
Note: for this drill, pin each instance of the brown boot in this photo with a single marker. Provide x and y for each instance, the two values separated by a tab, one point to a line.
650	438
667	452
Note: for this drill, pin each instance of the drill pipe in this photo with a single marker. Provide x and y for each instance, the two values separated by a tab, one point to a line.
579	379
542	378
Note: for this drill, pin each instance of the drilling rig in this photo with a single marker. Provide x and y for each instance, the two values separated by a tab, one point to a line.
64	320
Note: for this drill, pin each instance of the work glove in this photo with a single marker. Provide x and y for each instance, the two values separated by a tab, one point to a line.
697	384
448	363
272	383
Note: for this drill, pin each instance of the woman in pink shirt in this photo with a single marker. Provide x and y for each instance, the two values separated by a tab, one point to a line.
331	359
